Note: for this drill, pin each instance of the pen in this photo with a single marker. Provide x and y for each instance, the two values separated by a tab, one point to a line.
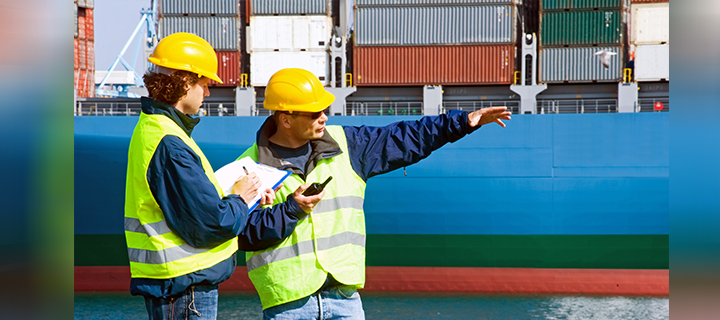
246	172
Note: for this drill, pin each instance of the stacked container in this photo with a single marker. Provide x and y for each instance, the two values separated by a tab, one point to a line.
439	42
288	34
217	21
84	49
650	36
571	32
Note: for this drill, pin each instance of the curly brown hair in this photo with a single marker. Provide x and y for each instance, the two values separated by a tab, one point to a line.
169	88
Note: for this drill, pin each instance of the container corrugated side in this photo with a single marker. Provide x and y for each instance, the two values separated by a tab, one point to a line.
81	24
581	28
89	24
220	32
199	7
392	3
90	54
582	4
650	23
289	7
76	53
82	53
433	65
420	26
288	33
578	65
264	64
652	62
75	16
228	69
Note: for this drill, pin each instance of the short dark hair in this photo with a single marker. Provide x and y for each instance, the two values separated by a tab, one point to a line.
169	88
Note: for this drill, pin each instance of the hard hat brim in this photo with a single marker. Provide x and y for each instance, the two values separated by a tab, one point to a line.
177	66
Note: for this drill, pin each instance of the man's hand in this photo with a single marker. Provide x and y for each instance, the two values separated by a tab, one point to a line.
268	197
247	186
488	115
307	203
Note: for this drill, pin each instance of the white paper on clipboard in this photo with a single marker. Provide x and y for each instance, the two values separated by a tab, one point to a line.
269	177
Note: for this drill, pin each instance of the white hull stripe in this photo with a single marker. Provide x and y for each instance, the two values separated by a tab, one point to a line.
305	247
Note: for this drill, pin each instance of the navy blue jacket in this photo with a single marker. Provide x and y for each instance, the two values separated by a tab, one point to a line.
374	150
193	210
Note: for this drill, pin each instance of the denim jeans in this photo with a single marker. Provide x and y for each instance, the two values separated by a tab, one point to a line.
340	302
197	303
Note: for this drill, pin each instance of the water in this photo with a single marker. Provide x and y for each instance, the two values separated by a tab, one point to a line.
121	305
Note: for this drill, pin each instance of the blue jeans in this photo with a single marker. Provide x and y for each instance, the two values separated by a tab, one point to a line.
339	302
197	303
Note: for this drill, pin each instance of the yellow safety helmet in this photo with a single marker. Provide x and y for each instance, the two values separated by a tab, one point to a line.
186	51
295	89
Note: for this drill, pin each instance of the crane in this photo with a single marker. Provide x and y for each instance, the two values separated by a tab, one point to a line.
149	20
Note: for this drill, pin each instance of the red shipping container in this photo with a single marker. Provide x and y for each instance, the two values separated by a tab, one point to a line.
76	54
89	24
82	54
81	26
76	75
90	55
228	69
433	65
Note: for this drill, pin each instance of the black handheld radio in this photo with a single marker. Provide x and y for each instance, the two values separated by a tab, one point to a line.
316	188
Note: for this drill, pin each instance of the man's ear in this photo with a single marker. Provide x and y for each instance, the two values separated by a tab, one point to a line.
285	120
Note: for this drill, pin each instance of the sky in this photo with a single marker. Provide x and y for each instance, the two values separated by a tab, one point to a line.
115	21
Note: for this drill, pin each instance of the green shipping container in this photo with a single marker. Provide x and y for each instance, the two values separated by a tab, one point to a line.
581	4
583	28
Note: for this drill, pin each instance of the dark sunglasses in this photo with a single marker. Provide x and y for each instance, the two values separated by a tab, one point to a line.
312	115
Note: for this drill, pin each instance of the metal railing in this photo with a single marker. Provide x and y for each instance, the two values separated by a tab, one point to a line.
470	106
92	108
388	108
577	106
648	104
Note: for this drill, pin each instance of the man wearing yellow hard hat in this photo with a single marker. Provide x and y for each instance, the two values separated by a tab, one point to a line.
181	230
315	273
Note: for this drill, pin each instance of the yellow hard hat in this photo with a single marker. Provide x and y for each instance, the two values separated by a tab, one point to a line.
186	51
295	89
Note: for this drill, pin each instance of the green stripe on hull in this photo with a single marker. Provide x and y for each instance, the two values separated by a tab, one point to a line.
505	251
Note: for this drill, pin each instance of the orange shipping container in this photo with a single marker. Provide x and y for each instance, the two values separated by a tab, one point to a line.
89	24
82	54
81	26
433	65
228	69
76	54
90	55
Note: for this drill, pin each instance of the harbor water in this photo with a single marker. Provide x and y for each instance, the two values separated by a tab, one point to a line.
245	305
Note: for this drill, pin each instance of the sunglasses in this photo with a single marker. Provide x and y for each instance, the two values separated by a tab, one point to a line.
312	115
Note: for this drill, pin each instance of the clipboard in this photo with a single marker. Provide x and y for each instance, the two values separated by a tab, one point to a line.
270	177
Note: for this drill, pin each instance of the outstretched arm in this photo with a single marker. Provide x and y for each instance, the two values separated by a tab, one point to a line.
377	150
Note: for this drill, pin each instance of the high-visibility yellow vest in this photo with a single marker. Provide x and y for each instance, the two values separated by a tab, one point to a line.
155	251
330	240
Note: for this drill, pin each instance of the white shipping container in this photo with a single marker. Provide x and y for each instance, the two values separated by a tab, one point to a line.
264	64
288	33
652	62
650	23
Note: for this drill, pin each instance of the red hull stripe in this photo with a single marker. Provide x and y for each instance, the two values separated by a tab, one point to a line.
444	279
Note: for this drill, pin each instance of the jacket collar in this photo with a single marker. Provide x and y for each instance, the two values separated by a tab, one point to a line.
185	122
323	148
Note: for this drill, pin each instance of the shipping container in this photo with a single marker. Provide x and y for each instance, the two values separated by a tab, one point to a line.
81	3
90	54
228	69
288	33
86	4
264	64
289	7
433	65
75	16
581	28
81	24
221	32
583	4
226	8
652	63
650	23
421	26
579	65
89	24
650	1
82	53
76	54
393	3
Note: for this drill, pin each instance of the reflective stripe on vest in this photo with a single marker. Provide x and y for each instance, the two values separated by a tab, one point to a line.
330	240
154	250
